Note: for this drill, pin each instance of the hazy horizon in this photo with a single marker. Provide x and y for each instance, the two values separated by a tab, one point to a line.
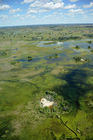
58	24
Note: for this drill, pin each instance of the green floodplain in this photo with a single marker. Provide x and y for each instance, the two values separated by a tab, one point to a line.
53	62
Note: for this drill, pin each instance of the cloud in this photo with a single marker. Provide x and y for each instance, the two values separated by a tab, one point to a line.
29	16
27	1
17	15
12	11
35	11
91	9
70	6
4	7
88	5
73	0
3	17
32	11
41	6
76	11
54	4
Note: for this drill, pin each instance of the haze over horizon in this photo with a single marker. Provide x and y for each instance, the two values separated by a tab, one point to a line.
34	12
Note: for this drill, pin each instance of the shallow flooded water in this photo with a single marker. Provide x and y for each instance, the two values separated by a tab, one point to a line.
66	52
65	44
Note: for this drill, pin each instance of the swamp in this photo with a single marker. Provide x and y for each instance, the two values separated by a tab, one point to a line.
53	63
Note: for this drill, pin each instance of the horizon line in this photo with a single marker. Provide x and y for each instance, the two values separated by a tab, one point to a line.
46	24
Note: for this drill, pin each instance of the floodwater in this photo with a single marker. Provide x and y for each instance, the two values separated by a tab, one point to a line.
68	51
66	44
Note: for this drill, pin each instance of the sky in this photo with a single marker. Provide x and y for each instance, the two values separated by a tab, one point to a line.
33	12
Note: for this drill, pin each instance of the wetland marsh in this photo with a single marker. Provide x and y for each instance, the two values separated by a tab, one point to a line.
44	62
